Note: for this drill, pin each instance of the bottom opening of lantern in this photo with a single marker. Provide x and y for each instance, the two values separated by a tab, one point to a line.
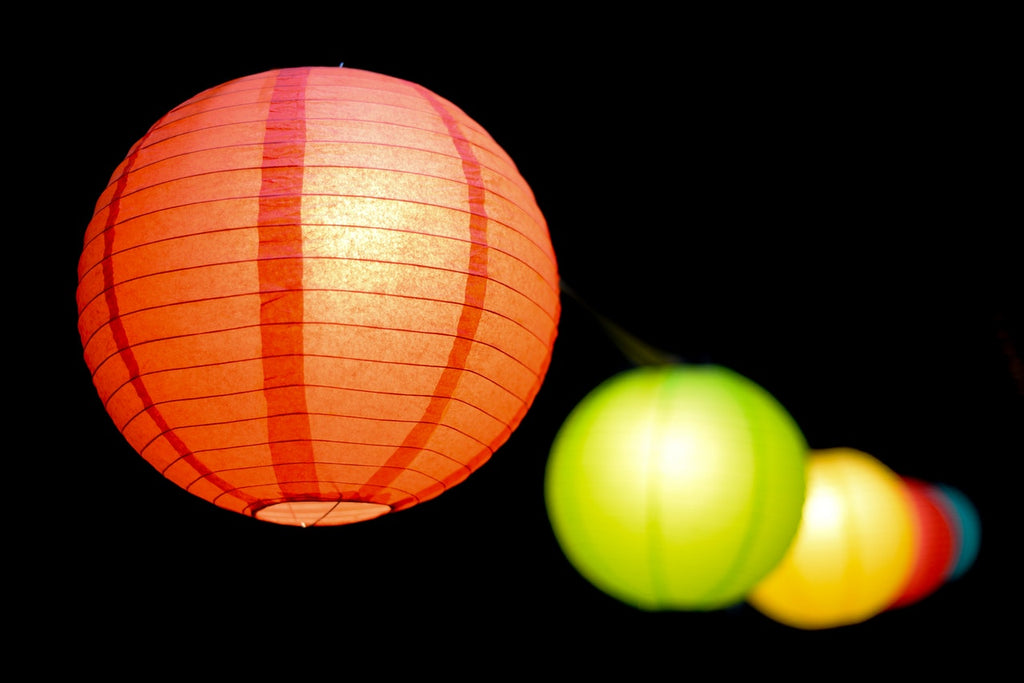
307	513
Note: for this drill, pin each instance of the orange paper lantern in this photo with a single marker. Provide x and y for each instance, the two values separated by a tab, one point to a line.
317	295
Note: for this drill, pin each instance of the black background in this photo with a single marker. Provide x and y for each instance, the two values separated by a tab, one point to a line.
812	201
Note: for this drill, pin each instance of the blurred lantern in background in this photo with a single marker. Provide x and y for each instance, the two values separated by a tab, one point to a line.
854	550
676	487
933	543
317	295
965	525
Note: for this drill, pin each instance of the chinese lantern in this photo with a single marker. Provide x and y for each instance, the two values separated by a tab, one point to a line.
854	549
676	487
317	295
933	543
965	522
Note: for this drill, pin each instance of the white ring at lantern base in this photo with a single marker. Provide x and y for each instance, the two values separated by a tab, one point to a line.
307	513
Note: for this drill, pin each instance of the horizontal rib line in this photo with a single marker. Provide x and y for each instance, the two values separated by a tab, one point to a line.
185	368
313	441
157	160
210	105
256	144
520	293
514	257
528	266
117	352
484	446
390	295
511	228
267	502
152	144
315	386
412	94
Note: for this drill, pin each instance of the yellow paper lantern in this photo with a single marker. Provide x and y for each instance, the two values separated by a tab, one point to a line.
676	487
854	549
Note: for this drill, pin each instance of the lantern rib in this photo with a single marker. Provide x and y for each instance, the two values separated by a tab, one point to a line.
152	141
352	465
152	145
126	314
755	507
539	248
854	570
209	96
367	418
372	466
311	413
430	111
254	359
168	122
250	508
313	386
116	352
529	238
541	277
655	480
454	271
369	144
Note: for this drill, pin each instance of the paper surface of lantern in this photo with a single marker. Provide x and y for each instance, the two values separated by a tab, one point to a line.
933	544
854	549
317	295
676	487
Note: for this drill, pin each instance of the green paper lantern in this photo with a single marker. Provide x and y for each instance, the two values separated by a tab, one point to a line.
676	487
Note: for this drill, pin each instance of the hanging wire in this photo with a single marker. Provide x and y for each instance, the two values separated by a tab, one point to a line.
635	350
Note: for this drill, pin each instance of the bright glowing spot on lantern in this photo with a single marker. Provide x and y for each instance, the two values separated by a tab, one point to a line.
823	509
854	549
676	487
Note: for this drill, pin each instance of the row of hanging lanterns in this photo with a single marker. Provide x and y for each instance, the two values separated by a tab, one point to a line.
317	295
869	541
689	487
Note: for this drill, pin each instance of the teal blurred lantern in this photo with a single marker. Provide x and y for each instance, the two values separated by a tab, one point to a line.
934	551
966	527
676	487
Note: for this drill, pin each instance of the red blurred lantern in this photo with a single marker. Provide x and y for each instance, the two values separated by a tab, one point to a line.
317	295
933	543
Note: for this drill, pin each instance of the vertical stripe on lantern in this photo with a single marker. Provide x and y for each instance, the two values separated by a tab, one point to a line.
469	319
124	347
281	294
737	571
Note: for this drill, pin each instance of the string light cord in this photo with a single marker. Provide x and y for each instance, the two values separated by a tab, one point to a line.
634	349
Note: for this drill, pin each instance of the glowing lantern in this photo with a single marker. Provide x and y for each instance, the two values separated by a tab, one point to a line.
965	523
853	552
676	486
317	295
933	543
